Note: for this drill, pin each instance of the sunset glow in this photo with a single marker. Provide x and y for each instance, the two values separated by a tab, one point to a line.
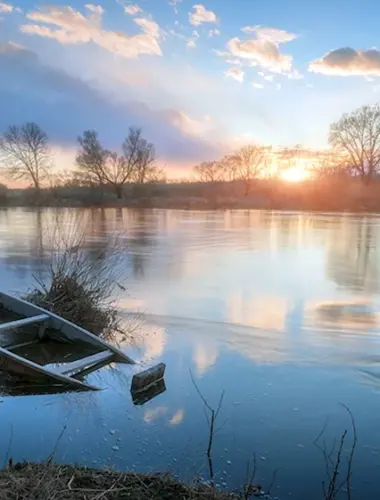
295	174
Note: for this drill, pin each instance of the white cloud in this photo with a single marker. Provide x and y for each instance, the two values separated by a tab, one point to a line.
192	42
5	8
264	49
149	27
214	32
201	15
258	85
348	62
262	52
72	27
295	75
221	53
278	86
235	73
187	125
174	4
269	78
96	9
132	10
233	61
274	35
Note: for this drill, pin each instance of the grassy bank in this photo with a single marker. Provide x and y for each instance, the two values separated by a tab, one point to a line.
47	481
332	194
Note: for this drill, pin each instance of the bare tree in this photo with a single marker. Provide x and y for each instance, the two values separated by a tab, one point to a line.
92	157
25	153
104	167
251	163
229	168
140	155
356	137
209	171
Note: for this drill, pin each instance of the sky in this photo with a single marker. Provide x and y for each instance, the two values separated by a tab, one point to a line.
201	79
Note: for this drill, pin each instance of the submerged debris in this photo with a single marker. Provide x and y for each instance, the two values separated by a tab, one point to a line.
26	481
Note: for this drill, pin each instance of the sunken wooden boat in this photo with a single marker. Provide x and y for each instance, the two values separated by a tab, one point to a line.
37	345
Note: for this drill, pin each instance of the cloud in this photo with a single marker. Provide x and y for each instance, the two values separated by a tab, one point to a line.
174	4
262	52
272	34
295	75
132	10
5	8
264	49
258	85
192	42
72	27
96	9
64	106
177	418
235	73
214	32
221	53
348	62
201	15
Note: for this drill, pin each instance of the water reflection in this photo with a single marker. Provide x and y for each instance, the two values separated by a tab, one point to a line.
280	310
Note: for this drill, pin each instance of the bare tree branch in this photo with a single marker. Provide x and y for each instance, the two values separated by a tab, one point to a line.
25	153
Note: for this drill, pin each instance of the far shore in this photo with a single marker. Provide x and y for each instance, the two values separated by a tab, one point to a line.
334	195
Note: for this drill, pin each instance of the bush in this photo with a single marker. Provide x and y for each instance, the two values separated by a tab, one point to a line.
79	287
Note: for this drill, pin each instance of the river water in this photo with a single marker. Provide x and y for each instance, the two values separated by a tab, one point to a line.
279	311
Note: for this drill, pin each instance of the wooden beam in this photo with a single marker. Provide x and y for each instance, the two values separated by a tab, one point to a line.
23	322
81	364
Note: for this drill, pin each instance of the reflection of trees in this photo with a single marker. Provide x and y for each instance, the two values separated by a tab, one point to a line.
23	249
352	256
141	240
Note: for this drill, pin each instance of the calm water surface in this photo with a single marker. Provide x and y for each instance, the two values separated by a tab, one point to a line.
281	311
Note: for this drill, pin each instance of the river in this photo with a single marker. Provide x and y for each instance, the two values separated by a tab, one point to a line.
279	311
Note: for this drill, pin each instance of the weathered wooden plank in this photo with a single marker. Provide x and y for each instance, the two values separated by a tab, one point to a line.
66	329
144	395
23	322
143	380
80	364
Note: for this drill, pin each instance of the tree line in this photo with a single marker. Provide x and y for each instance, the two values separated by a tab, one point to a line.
354	151
26	156
354	142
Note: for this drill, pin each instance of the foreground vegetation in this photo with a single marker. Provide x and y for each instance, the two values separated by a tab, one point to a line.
46	481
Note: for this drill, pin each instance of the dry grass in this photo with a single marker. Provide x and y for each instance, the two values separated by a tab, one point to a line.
80	283
46	481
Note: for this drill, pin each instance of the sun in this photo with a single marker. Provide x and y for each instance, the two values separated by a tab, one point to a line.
294	174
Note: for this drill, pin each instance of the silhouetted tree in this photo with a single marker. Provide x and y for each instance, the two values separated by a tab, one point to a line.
229	168
251	163
103	167
25	153
140	157
91	158
209	171
356	138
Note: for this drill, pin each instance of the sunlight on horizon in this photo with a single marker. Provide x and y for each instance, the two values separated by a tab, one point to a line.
295	174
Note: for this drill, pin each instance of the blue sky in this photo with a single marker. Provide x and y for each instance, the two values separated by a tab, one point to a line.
200	78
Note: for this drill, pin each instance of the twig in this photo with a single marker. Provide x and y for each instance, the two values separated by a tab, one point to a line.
52	455
211	418
273	481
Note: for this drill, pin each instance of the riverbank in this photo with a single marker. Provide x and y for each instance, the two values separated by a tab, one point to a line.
46	481
327	195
